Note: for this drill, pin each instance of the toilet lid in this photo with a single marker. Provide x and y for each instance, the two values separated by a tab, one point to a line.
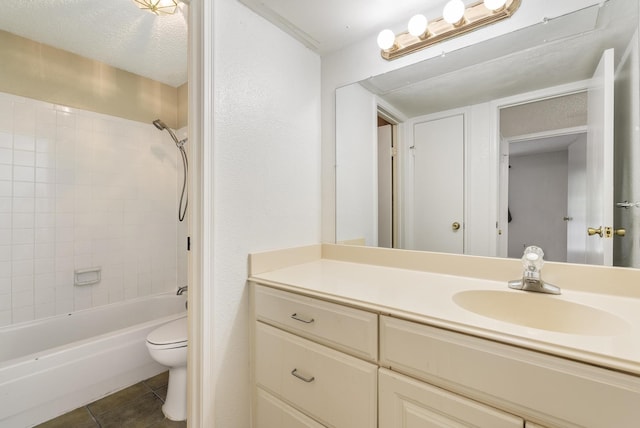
172	333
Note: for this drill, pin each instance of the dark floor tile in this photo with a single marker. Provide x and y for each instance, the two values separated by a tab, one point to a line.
79	418
162	393
158	381
142	412
166	423
117	399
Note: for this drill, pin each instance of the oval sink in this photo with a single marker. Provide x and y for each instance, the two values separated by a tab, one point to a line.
541	311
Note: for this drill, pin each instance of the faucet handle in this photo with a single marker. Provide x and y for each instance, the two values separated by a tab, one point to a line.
532	259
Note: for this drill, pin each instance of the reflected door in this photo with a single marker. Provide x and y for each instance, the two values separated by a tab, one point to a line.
438	184
600	162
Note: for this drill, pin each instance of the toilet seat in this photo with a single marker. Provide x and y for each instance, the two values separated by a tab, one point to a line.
169	336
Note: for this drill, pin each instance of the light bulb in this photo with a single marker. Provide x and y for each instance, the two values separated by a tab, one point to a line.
417	25
386	39
494	4
453	11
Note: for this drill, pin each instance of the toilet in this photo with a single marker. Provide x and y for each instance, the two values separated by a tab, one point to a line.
167	345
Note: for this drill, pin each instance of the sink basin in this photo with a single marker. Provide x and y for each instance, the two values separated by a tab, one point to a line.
541	311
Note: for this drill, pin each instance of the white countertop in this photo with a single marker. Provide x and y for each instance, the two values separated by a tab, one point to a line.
429	298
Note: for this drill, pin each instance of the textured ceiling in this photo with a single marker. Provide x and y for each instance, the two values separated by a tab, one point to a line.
115	32
330	25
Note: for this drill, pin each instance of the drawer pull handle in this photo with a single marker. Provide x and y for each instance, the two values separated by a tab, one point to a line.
298	318
302	378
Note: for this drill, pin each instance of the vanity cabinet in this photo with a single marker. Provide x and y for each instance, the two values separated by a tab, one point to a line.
319	363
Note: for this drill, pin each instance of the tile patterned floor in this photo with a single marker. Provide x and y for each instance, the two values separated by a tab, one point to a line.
138	406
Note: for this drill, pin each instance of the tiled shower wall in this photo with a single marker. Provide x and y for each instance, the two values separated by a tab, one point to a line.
80	190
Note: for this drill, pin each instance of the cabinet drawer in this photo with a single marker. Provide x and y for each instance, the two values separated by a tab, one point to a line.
334	388
347	329
407	402
541	387
273	413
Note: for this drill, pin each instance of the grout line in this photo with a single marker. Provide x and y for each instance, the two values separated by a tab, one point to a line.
93	416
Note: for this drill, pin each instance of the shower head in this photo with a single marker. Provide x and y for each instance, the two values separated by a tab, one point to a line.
160	124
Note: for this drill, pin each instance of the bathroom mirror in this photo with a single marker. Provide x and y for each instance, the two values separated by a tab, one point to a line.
479	82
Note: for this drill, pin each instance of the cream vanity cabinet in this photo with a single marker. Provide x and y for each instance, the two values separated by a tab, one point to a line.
314	362
318	363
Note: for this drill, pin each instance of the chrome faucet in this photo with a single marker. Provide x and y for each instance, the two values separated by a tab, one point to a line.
531	277
181	290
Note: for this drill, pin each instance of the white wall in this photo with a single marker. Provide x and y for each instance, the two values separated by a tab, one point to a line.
79	190
357	170
266	182
362	60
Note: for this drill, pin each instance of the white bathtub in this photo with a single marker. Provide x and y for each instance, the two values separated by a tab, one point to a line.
53	365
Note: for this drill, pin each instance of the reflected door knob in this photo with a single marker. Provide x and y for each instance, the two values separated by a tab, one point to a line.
620	232
455	225
591	231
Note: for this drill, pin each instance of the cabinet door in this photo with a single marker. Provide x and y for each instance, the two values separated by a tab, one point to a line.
273	413
408	403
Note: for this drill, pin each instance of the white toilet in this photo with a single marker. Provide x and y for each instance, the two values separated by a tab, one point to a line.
168	346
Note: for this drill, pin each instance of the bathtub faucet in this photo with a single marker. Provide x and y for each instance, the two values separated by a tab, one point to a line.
181	290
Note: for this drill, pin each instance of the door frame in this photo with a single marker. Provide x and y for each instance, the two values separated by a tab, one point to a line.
397	120
500	177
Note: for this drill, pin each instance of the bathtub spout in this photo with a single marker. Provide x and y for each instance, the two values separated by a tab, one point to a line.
181	290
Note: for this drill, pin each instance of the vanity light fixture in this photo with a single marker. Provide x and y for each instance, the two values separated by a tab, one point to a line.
159	7
456	19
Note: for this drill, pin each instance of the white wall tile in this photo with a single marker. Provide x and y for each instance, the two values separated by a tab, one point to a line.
24	142
6	189
5	301
23	236
24	173
23	221
5	253
23	204
6	220
5	286
45	267
5	317
5	236
24	190
21	299
23	314
45	310
23	158
23	252
69	199
6	156
6	172
20	270
5	204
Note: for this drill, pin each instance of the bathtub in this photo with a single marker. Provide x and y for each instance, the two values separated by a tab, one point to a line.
57	364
